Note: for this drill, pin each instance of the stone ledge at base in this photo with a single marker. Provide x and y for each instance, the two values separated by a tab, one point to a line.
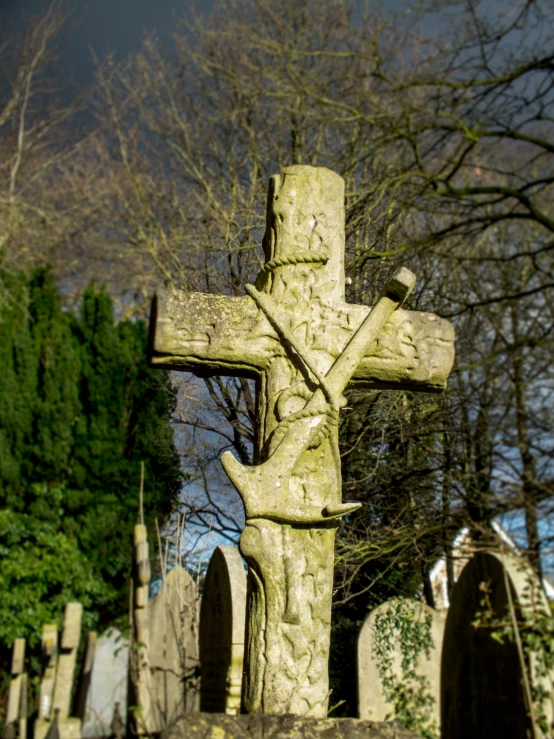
258	726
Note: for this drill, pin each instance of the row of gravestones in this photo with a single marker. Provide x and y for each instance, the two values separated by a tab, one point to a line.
466	674
99	706
454	673
455	676
159	672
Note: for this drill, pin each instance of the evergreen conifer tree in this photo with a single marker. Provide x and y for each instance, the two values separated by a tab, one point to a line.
79	411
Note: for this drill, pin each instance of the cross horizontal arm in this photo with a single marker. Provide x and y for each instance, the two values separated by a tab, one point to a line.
211	334
415	351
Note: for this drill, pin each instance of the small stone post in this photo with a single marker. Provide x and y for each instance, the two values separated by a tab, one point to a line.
140	668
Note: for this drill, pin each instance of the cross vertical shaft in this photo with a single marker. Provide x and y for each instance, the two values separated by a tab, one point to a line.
291	564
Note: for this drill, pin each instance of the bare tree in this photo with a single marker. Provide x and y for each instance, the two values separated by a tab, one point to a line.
446	150
43	214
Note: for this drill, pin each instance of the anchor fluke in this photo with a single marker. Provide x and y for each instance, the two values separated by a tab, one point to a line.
340	509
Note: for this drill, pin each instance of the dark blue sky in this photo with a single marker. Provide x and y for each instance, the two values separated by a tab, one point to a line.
112	25
104	25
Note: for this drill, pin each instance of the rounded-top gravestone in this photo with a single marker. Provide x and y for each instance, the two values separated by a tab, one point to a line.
172	650
483	691
399	663
222	625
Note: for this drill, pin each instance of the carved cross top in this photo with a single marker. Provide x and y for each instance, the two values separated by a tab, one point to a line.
297	336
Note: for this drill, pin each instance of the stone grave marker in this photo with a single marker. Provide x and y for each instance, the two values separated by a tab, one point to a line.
173	646
49	646
295	334
16	713
399	638
67	727
484	691
222	626
107	684
164	679
86	676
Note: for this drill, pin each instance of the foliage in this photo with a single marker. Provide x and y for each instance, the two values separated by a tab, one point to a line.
42	570
399	625
393	443
367	579
79	411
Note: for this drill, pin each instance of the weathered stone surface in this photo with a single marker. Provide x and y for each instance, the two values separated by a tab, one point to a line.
165	630
482	687
16	713
14	699
49	645
18	656
173	646
220	726
108	684
297	334
388	651
222	626
67	658
414	349
68	727
71	630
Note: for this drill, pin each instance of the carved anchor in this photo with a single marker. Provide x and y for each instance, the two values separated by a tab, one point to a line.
265	488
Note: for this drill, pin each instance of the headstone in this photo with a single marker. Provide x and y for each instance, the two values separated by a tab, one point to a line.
484	690
49	646
399	663
108	684
164	664
16	713
173	646
86	677
68	727
222	626
296	335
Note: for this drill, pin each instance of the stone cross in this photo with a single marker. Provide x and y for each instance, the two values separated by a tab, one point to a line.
297	337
